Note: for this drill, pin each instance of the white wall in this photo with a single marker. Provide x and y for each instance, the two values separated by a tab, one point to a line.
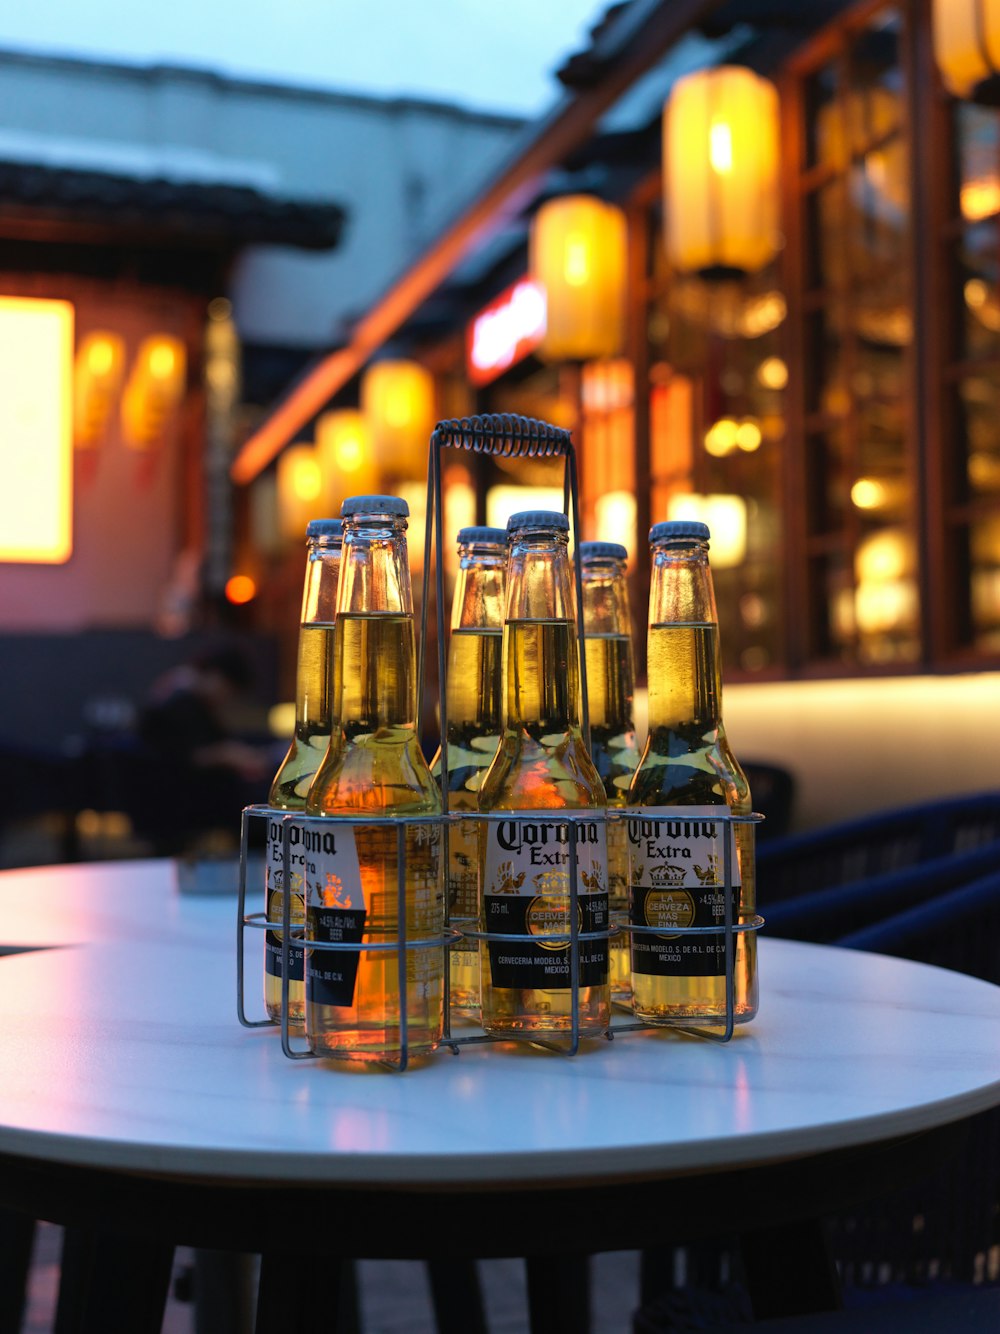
861	746
401	168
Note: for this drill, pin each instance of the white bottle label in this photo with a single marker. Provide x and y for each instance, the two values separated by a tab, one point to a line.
526	893
335	911
677	878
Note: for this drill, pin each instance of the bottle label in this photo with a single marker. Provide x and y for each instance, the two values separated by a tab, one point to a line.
274	888
526	893
677	879
335	912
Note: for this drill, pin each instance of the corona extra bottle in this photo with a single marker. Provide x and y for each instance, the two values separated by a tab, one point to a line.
374	767
607	630
473	699
687	775
542	771
313	683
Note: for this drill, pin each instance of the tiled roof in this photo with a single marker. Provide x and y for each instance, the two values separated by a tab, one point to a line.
226	215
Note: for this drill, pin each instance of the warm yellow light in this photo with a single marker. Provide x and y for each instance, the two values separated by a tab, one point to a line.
722	437
720	171
979	199
281	719
459	501
300	485
884	606
976	293
726	517
397	399
100	361
720	147
607	386
772	373
615	518
346	455
966	43
578	250
748	436
154	389
36	398
503	501
867	493
884	556
240	588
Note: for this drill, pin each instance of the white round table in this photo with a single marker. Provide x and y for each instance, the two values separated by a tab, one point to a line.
124	1077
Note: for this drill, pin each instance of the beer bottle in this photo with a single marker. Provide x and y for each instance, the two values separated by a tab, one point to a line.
473	699
543	769
374	765
313	681
686	775
607	629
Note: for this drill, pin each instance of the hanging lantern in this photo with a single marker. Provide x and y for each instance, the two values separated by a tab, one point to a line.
720	172
346	456
967	48
397	398
155	387
578	252
97	376
300	486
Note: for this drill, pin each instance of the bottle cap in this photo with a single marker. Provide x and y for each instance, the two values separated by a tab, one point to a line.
498	536
603	550
538	519
675	530
374	505
324	528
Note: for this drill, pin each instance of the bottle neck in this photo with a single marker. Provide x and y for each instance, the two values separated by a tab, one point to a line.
608	644
684	665
478	601
375	675
541	675
319	592
605	598
313	677
477	618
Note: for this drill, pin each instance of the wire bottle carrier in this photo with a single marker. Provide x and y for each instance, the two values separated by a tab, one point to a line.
504	436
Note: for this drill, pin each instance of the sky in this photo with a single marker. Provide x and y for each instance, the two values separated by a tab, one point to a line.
488	54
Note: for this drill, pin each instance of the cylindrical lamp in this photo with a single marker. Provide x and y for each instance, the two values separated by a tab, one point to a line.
578	252
720	172
397	399
155	387
300	486
967	48
346	456
100	361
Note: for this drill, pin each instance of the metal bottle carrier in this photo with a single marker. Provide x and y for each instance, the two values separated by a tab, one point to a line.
505	436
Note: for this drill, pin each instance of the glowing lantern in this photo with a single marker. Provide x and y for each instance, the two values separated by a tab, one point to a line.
720	172
154	389
346	455
97	376
578	250
967	47
397	398
726	517
300	485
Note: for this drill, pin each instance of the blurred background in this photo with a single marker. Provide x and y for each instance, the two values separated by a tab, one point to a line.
747	250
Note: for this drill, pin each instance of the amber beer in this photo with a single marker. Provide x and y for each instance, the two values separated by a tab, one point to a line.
687	777
473	700
310	739
375	767
543	770
607	629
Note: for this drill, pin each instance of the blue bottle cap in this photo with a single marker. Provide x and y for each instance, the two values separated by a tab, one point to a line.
679	530
497	536
603	551
324	528
538	519
395	505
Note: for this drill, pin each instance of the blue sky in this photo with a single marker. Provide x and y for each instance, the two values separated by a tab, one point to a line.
491	54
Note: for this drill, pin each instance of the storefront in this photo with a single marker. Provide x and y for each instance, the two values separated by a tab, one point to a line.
819	379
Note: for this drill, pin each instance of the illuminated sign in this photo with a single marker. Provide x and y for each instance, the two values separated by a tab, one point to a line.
504	332
36	430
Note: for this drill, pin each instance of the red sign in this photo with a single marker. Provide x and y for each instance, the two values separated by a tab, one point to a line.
505	331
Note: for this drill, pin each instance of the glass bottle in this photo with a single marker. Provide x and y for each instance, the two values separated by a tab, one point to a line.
686	773
313	682
607	630
374	765
543	767
473	700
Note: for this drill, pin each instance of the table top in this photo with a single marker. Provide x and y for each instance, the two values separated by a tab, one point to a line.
121	1049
